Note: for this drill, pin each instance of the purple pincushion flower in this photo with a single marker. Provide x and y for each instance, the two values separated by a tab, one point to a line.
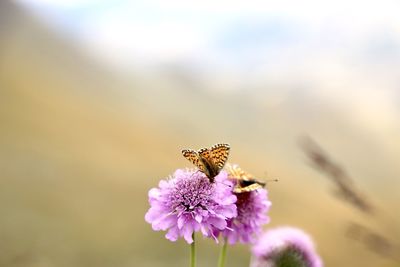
188	202
285	246
252	208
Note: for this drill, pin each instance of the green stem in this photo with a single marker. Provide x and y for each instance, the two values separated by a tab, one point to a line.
222	254
193	253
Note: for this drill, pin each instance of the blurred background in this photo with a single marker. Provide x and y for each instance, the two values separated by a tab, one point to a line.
97	98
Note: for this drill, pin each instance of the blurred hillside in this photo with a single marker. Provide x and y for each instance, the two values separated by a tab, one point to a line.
81	144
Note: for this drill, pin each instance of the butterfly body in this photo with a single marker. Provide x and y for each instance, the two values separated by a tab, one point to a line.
245	182
210	161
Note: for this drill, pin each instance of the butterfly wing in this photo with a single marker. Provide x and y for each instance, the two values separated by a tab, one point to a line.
235	172
220	153
245	181
205	156
209	161
194	158
249	188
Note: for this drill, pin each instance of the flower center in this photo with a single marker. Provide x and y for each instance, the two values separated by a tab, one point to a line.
244	205
289	256
191	193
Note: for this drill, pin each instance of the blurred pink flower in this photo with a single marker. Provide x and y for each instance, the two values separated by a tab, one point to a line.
285	246
252	208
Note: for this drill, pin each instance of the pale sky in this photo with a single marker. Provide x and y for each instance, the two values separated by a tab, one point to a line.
341	47
222	32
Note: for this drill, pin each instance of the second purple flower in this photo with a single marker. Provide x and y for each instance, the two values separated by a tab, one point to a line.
252	209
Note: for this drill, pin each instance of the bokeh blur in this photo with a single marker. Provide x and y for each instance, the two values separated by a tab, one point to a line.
97	98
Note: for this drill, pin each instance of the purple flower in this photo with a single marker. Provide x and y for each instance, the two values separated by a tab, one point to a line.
285	246
252	208
188	202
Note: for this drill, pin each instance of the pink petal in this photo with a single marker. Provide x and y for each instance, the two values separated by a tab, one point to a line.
198	218
229	200
218	223
187	233
181	221
167	222
172	234
151	215
154	193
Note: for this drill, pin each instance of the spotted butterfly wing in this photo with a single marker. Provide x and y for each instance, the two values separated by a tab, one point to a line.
206	157
194	158
209	160
247	186
220	153
245	181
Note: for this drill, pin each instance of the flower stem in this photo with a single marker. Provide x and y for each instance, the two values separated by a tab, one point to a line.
222	254
193	253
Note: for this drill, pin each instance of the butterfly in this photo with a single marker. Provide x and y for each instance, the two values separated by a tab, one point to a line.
245	181
210	161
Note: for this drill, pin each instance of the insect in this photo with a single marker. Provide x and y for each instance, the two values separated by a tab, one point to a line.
245	181
210	161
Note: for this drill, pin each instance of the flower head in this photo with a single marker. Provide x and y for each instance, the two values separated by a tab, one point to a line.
188	202
252	208
285	246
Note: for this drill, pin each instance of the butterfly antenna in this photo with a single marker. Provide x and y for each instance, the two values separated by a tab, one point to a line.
228	185
270	180
195	172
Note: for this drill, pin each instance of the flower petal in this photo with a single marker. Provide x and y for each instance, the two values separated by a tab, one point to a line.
187	233
172	234
218	223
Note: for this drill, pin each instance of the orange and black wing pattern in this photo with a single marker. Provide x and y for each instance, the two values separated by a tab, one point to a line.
220	153
245	182
194	158
209	160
